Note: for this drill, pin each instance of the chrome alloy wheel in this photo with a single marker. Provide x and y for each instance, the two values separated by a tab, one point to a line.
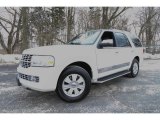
135	68
73	85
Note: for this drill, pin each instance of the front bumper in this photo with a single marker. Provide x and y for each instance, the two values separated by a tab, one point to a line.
48	77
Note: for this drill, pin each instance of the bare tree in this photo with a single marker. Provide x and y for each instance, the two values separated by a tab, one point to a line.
121	23
95	17
70	16
102	17
82	20
11	29
145	22
109	14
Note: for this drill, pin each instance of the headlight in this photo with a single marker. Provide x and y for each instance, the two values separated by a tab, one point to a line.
42	61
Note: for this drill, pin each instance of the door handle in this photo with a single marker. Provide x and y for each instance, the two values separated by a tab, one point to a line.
116	52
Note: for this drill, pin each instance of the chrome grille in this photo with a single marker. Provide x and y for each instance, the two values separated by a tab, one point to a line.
28	77
26	60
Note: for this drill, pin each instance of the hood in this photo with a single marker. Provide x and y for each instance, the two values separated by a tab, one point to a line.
58	49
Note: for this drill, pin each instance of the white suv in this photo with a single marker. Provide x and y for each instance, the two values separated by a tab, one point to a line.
91	57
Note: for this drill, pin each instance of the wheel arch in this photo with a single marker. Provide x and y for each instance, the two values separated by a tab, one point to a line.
137	58
82	64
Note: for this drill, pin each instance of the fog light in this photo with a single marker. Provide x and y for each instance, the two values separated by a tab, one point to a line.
35	78
28	77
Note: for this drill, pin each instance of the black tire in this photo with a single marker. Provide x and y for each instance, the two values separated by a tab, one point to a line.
132	74
74	70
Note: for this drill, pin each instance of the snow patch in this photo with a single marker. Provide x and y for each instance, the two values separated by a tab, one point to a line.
152	90
130	89
3	73
10	58
10	89
151	65
150	56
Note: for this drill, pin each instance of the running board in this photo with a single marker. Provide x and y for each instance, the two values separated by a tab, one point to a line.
113	76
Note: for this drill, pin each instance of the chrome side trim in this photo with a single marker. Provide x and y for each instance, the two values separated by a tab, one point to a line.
105	69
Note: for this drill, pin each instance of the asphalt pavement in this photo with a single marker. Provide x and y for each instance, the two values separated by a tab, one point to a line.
121	95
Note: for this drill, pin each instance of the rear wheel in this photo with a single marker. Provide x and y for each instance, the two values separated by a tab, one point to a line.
134	70
74	84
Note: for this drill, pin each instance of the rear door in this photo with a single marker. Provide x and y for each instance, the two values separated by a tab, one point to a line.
125	51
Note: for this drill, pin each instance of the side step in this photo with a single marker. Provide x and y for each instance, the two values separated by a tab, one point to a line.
110	77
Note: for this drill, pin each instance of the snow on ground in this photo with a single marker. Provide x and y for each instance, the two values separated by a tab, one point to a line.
10	58
150	56
151	65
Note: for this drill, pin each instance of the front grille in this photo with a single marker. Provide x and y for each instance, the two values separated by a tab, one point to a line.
26	60
28	77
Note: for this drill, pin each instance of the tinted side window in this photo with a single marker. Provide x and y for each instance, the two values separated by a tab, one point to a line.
108	39
136	42
122	40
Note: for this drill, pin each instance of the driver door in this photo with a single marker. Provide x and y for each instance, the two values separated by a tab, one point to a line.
107	55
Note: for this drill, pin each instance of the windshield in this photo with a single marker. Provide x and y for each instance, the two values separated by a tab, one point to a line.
87	38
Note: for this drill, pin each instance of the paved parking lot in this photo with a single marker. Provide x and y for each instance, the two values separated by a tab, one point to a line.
121	95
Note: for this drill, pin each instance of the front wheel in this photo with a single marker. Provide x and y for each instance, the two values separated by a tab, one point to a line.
74	84
134	70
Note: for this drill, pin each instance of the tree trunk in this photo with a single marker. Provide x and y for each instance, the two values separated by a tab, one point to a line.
25	29
104	17
70	22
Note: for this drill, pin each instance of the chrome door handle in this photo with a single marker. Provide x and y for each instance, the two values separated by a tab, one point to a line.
117	52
